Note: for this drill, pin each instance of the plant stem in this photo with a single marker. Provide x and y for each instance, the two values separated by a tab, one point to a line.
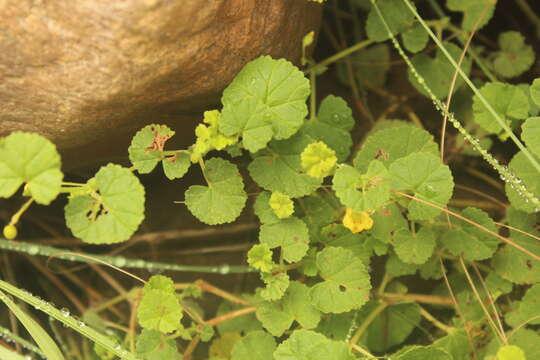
530	14
343	53
368	320
118	261
434	321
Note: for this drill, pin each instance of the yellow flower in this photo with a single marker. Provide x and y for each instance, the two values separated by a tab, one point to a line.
357	221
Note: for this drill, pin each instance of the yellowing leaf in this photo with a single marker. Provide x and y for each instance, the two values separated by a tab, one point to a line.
318	160
209	138
282	205
357	221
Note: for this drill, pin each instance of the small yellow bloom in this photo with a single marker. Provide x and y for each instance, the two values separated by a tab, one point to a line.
357	221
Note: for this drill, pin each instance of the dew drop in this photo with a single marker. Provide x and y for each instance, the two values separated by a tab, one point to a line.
224	269
120	261
33	250
64	312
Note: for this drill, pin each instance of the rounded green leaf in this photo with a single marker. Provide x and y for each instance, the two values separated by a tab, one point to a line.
346	283
176	166
415	38
469	241
152	345
515	57
159	310
113	213
309	345
414	248
397	16
425	176
362	192
257	345
521	167
31	159
438	72
280	170
531	134
389	144
332	126
276	285
290	234
266	99
146	149
263	210
223	199
509	101
472	11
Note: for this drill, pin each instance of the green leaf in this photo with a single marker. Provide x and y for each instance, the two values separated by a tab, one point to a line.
151	345
515	57
438	72
146	149
176	166
346	283
423	353
415	38
274	317
511	263
332	126
528	308
257	345
467	240
531	134
414	248
509	102
159	282
371	66
521	167
396	267
280	169
290	234
38	334
241	324
309	345
535	91
282	205
429	180
527	340
319	210
394	142
221	347
263	210
159	310
276	285
362	192
456	344
510	352
223	199
472	11
266	100
318	160
397	16
391	327
31	159
386	221
113	212
337	326
278	316
260	258
339	236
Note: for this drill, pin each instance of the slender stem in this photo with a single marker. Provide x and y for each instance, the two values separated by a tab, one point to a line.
118	261
363	351
367	321
530	14
421	298
231	315
15	218
313	96
447	329
343	53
